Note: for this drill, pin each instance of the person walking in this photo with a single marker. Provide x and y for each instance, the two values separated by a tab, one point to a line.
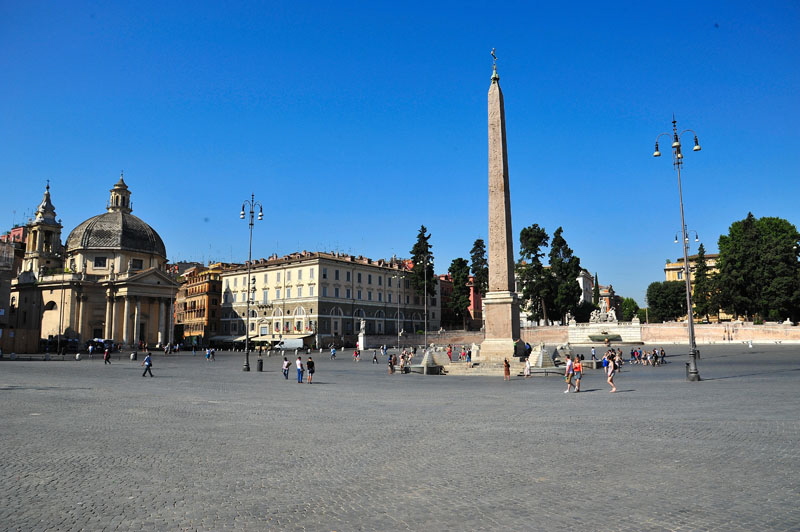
527	371
147	363
310	368
506	370
577	371
611	370
390	364
333	353
106	357
569	372
374	356
300	370
285	368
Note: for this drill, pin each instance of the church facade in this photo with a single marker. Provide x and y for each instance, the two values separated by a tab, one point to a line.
108	280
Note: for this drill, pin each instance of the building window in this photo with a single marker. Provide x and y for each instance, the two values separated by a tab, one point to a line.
289	275
235	282
299	291
389	282
288	292
324	273
299	275
311	273
348	294
100	262
277	277
407	300
266	277
277	293
347	276
265	296
137	264
389	297
335	275
359	277
380	280
336	292
369	278
369	295
324	291
234	297
380	295
311	291
680	275
358	294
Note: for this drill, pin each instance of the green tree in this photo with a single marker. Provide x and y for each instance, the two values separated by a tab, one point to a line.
536	283
702	289
666	300
422	269
596	291
480	266
629	308
565	268
583	312
759	272
459	302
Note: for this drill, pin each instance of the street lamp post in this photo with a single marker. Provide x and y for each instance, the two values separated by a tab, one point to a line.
424	263
399	280
251	204
677	161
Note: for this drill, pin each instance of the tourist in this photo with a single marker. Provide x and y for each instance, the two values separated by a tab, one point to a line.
147	363
300	370
506	370
450	352
663	356
527	371
285	368
577	371
310	367
356	356
594	354
106	357
390	362
333	353
463	355
374	356
569	372
611	370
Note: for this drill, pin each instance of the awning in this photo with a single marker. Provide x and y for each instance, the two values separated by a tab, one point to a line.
222	338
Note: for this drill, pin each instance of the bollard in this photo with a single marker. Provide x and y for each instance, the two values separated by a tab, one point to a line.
687	371
260	364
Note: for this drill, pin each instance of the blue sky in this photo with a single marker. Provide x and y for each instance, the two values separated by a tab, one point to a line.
356	122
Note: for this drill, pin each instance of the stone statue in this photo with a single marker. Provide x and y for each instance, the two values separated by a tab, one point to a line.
363	328
603	306
611	315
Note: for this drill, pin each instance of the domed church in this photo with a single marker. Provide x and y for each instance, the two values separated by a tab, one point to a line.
109	280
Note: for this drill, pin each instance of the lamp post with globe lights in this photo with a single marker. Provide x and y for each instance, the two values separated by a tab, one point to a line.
251	204
692	373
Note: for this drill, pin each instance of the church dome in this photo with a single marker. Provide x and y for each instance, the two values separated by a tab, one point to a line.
116	231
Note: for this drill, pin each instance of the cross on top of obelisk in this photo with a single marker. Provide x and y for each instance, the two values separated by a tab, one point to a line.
495	75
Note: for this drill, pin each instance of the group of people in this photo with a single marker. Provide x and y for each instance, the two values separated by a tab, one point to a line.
645	357
463	355
301	369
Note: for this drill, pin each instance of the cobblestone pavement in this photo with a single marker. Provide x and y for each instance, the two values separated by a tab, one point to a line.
205	446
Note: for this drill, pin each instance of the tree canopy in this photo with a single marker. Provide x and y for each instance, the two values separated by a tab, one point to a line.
666	300
759	271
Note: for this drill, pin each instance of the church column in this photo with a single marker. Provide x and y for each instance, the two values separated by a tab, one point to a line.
79	328
161	315
114	329
109	328
126	339
136	318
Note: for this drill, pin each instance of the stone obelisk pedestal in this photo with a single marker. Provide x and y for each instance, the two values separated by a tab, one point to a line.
501	308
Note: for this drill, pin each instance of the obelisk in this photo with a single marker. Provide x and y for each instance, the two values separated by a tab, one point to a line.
501	308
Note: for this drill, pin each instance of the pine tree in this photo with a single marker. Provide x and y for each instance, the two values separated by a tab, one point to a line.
422	268
480	266
596	291
701	285
565	268
459	302
536	283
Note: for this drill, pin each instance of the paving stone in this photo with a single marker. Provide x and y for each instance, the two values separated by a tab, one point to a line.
205	446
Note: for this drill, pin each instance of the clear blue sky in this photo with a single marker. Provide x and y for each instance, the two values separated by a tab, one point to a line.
356	122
